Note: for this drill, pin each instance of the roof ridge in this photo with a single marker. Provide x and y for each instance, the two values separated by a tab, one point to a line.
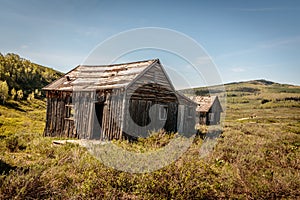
117	64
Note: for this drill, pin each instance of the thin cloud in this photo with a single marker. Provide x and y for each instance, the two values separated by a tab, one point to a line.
63	62
282	42
266	9
238	69
24	46
236	53
204	60
263	45
90	31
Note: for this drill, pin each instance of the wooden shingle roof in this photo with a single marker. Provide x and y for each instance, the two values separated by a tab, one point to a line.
204	102
96	77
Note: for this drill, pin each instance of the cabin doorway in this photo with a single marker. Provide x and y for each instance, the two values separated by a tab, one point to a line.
98	117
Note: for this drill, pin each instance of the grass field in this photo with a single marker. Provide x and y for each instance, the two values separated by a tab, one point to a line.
256	157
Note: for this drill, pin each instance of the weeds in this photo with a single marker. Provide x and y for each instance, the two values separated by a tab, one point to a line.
256	158
14	144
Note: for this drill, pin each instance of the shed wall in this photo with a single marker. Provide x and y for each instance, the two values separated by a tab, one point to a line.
57	123
112	115
204	117
186	117
144	101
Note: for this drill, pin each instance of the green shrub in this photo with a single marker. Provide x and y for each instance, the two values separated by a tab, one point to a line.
14	144
265	101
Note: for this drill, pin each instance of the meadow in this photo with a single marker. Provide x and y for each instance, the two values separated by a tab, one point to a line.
257	155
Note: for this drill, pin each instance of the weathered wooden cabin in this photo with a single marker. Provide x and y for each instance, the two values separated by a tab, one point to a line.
208	110
116	101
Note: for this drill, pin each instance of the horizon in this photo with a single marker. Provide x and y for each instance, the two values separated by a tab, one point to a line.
245	40
224	83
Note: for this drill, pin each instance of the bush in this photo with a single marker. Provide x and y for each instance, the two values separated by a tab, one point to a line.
265	101
14	144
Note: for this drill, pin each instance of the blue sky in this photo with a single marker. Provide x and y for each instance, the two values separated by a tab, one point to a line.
246	39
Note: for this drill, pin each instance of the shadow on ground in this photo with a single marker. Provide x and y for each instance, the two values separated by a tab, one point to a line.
5	168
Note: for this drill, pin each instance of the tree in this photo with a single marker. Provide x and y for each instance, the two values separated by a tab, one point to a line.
3	91
30	96
37	93
20	73
13	93
20	94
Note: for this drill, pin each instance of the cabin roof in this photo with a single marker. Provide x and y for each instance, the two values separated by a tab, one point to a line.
204	102
97	77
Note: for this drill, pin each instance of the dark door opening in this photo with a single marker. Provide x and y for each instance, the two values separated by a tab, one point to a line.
97	127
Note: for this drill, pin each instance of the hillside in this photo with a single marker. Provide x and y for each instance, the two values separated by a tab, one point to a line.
256	157
21	74
247	88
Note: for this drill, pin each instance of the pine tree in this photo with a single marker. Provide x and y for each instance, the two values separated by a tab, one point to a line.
3	91
13	93
30	96
20	94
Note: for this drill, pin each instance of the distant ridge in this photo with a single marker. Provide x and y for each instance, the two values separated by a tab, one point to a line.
258	81
262	81
252	86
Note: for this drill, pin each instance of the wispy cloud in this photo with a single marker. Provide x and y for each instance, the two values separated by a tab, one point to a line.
90	31
267	9
204	60
236	53
254	66
63	62
238	69
24	46
280	42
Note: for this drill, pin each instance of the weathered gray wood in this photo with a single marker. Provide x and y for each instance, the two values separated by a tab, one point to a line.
123	107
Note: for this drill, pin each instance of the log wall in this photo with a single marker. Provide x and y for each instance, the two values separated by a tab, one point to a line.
85	123
83	102
57	124
186	117
112	115
144	100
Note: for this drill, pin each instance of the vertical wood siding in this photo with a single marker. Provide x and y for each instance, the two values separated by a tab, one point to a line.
119	111
57	124
146	94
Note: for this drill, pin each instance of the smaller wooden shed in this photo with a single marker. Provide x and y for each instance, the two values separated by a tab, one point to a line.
208	110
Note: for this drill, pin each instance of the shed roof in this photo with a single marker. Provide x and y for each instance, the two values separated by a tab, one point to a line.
94	77
204	102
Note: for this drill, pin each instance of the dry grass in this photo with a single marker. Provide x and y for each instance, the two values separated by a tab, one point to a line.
255	158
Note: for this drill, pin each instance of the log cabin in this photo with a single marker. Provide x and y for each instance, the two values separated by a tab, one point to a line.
105	102
208	110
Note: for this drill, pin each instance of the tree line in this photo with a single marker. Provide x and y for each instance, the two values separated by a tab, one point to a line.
22	79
